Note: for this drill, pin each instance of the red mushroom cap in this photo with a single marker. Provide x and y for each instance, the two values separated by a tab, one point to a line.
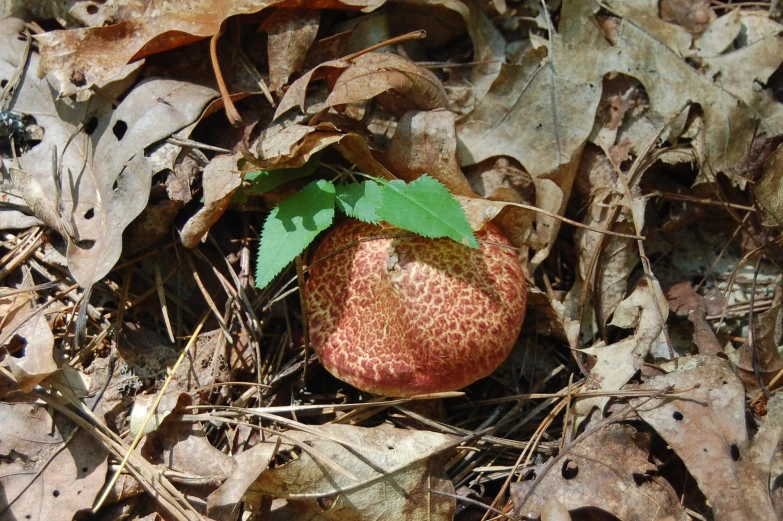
400	316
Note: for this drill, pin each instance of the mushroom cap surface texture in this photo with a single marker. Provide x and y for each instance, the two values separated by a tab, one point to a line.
400	316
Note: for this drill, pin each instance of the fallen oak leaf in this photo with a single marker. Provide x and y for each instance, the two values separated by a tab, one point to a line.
705	425
606	469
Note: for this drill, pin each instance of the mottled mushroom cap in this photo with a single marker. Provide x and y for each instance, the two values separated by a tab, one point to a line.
400	316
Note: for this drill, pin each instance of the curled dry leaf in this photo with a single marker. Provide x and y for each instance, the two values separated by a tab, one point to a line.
769	189
598	183
396	83
71	476
608	469
399	466
705	425
426	143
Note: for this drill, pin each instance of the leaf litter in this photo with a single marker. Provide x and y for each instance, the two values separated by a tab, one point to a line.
154	251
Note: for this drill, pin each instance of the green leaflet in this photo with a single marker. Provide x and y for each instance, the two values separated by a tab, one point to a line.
427	208
361	200
292	226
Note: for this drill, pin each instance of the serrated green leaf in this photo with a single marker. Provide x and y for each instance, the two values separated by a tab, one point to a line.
266	180
361	200
426	207
292	226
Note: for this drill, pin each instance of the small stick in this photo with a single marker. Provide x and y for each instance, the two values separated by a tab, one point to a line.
231	112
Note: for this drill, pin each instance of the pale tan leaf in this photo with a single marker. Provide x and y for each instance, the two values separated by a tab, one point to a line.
615	364
70	478
221	504
28	342
705	425
105	175
399	466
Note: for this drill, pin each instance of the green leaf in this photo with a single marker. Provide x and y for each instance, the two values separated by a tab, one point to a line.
426	207
360	200
266	180
292	226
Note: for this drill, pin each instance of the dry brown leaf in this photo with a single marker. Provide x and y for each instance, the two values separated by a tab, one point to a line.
541	113
80	58
105	175
426	143
31	442
396	83
142	404
645	13
291	33
607	469
183	447
597	183
719	34
394	476
705	425
292	146
221	179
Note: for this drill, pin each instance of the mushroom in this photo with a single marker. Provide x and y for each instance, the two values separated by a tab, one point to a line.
399	315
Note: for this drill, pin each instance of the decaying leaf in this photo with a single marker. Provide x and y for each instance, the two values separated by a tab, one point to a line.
393	474
597	182
426	143
705	425
72	466
608	469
